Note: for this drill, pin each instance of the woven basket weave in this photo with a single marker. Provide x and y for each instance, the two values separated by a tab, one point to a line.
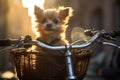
45	66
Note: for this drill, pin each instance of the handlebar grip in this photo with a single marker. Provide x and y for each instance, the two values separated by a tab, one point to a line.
5	42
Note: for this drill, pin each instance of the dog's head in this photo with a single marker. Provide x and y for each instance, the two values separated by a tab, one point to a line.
52	19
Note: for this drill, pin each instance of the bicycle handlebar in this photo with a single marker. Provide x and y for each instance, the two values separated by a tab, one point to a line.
84	45
28	41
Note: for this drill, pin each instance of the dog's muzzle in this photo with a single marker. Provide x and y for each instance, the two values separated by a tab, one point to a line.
49	27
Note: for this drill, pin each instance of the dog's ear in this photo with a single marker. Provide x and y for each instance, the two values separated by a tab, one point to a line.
65	13
38	12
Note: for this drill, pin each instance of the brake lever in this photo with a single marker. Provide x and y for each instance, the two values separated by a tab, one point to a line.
110	38
107	36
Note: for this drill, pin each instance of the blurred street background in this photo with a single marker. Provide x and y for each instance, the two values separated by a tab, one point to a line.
15	21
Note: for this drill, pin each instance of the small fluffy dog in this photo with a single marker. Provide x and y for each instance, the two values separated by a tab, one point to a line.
52	24
50	28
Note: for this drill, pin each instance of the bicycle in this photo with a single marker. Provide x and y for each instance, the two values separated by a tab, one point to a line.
76	63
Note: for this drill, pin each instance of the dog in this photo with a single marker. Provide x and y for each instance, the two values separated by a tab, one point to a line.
50	29
51	25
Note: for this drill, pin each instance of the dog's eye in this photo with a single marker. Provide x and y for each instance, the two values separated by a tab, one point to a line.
44	20
55	20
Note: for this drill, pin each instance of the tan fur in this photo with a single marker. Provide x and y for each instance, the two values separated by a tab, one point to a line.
52	24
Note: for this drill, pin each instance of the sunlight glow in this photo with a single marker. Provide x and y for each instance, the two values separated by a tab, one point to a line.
78	34
30	5
7	75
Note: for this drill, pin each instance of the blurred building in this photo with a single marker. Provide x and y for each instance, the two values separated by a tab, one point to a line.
97	14
3	18
18	20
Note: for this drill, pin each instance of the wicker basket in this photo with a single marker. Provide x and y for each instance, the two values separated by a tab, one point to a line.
45	66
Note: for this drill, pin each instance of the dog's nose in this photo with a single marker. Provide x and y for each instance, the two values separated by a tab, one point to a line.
49	25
